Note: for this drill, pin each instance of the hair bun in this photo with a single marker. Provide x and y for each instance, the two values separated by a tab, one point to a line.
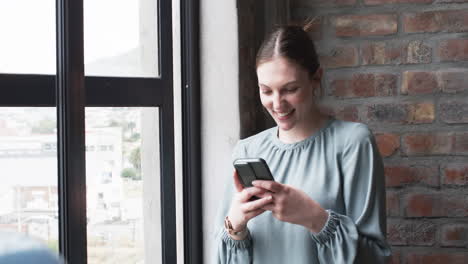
309	23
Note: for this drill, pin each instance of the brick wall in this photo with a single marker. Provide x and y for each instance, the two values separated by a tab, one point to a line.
401	66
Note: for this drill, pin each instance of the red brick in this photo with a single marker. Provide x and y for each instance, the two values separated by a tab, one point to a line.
453	80
453	50
396	176
339	56
393	203
347	113
365	25
454	235
418	52
395	52
444	143
320	3
417	113
436	21
419	82
414	232
380	2
425	82
425	144
456	174
421	113
365	85
388	143
454	111
387	113
461	144
379	53
437	258
435	205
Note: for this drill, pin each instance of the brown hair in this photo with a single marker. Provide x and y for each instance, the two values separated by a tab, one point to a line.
293	43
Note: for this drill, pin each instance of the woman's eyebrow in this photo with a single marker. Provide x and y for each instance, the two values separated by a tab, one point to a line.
290	83
287	84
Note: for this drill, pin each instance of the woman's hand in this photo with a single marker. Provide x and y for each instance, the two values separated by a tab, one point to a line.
293	205
242	209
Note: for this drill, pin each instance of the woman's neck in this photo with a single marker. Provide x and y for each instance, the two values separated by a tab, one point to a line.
303	131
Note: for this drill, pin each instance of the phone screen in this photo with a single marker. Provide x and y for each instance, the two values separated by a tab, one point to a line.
252	169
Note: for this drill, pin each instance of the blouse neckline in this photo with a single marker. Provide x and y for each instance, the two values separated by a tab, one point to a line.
282	145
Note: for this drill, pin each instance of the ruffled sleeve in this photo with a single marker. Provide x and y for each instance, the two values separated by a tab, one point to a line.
228	250
358	235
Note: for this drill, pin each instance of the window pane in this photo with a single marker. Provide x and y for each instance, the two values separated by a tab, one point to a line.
28	159
27	30
123	187
120	38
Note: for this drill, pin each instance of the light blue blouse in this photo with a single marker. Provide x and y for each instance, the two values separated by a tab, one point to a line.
340	168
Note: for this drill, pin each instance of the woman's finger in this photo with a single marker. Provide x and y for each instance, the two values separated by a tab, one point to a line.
257	204
269	207
237	182
247	193
254	213
269	185
265	194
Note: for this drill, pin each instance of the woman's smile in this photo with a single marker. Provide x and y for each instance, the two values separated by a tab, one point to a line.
284	115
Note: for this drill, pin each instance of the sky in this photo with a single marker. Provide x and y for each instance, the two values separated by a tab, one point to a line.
27	27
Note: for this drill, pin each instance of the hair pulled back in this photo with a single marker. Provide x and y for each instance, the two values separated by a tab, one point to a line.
293	43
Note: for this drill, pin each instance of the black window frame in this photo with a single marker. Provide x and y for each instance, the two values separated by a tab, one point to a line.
191	132
70	92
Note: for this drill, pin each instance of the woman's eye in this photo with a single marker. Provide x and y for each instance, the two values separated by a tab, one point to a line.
292	90
265	92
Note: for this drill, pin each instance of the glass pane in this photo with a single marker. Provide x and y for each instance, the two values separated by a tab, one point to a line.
28	159
123	187
27	30
120	38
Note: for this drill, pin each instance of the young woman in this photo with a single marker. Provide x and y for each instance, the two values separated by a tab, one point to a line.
327	203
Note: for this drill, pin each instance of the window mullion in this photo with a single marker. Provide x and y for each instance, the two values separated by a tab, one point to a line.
70	100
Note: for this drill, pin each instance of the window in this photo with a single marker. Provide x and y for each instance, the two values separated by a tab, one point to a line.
47	96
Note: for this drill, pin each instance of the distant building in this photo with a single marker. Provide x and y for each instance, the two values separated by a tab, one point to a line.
29	186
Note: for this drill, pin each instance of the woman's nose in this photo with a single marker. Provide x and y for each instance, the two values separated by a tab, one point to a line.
277	101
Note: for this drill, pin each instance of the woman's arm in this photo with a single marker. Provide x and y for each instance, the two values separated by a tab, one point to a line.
359	235
239	209
231	248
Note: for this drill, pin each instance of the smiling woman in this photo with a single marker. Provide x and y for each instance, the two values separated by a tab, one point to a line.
287	92
327	203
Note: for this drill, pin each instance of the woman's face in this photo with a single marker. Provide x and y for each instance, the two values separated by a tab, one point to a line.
286	91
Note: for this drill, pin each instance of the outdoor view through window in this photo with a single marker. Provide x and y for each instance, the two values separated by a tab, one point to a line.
122	143
122	152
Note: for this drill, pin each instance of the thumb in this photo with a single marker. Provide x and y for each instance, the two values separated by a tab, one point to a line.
237	182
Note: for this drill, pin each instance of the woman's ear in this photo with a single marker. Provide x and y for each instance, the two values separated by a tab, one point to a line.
317	77
318	74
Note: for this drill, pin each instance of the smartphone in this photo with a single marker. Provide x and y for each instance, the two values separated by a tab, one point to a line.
251	169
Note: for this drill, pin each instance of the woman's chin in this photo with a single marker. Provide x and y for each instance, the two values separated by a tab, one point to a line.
284	126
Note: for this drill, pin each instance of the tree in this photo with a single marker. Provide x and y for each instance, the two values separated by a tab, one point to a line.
129	173
135	160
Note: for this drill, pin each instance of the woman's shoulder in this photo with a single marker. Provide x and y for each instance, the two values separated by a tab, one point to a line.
255	141
351	131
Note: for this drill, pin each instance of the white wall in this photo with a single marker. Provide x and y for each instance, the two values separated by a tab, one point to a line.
176	55
219	102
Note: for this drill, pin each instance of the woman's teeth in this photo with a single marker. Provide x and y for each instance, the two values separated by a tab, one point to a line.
284	114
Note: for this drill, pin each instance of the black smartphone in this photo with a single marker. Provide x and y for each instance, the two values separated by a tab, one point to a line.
251	169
